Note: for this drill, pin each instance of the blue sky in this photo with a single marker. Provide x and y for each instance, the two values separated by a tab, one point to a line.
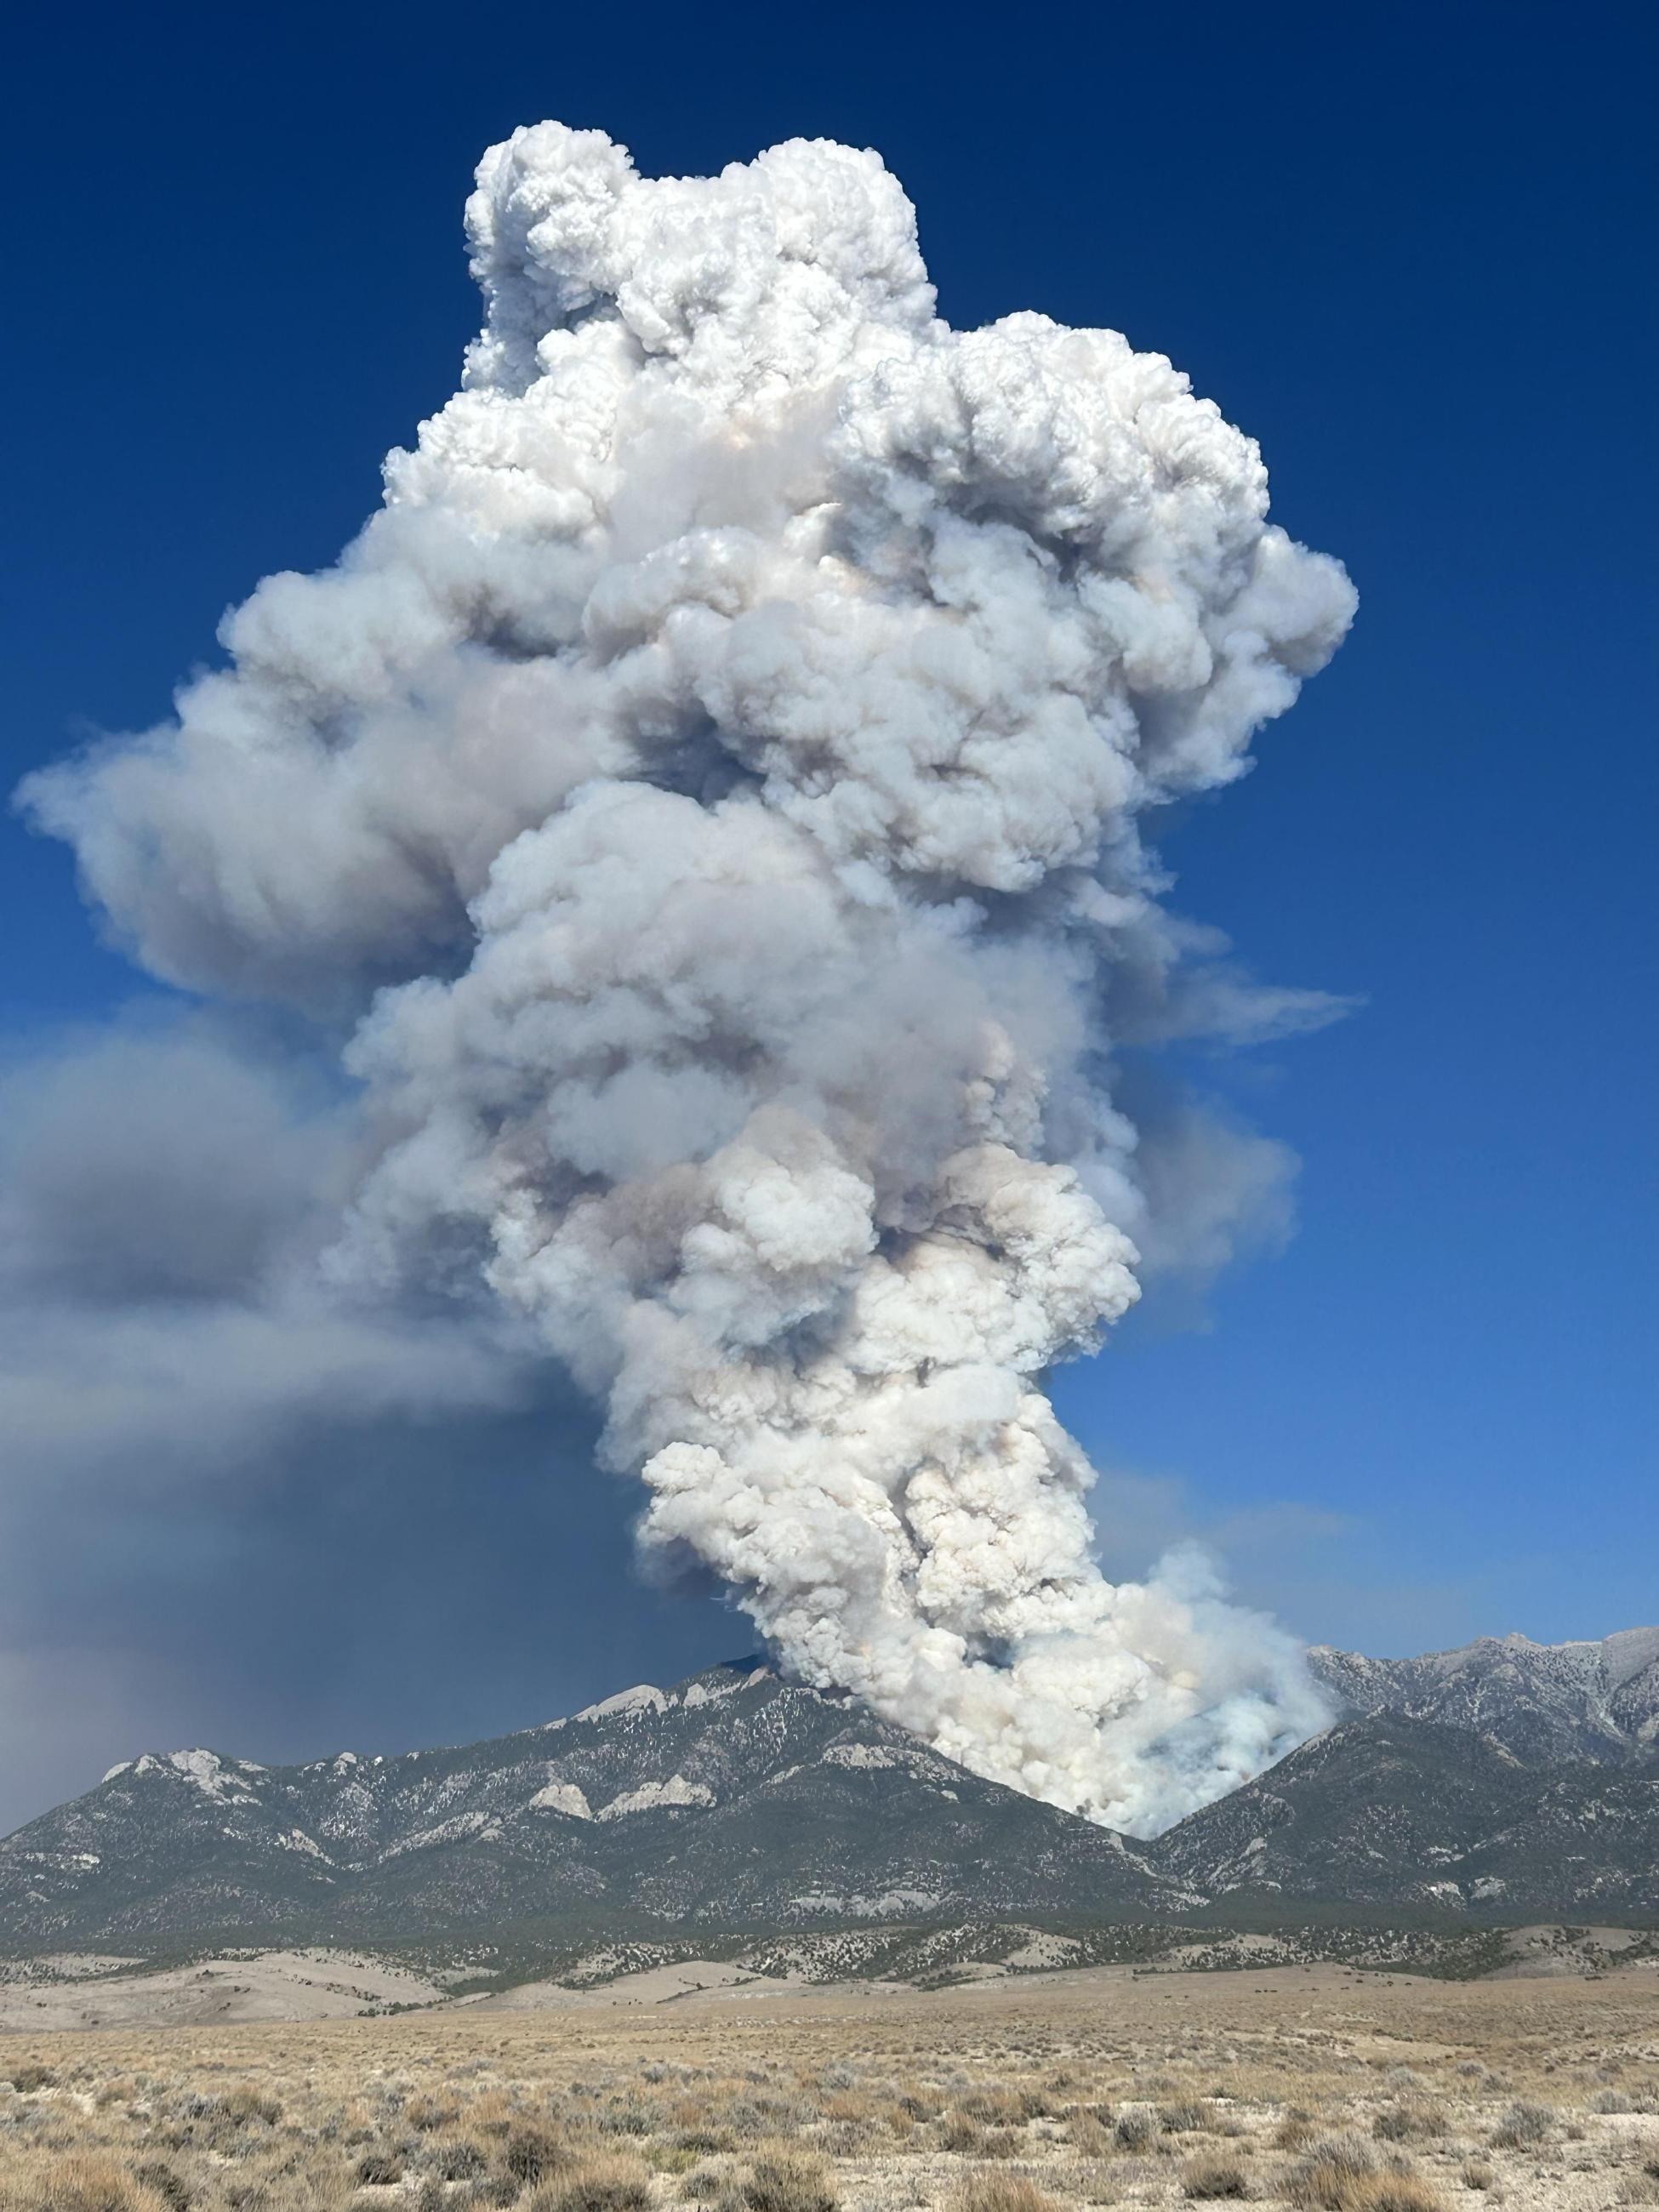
1409	251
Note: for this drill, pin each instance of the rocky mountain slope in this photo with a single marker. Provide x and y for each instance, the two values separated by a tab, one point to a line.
1388	1816
734	1798
1506	1782
1545	1702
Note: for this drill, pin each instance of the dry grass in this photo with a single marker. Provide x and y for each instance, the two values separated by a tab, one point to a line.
1002	2192
789	2181
1332	2096
1346	2175
75	2183
613	2184
1395	2192
1330	2177
1211	2176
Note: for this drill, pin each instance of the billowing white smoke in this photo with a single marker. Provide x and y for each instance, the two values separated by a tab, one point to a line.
710	787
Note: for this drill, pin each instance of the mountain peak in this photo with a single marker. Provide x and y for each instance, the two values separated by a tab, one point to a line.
1509	1780
733	1798
1585	1700
725	1680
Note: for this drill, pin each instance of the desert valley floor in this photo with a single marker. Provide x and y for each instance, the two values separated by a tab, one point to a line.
1311	2087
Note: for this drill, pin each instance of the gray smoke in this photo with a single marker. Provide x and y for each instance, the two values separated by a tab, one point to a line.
709	790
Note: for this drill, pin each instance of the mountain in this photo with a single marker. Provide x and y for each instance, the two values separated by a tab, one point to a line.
1544	1703
732	1799
1388	1816
1509	1780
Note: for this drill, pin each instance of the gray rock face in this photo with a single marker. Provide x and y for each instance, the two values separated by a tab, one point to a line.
1544	1703
734	1798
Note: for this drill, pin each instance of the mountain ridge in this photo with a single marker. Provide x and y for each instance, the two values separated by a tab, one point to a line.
731	1795
1505	1777
1389	1815
1582	1700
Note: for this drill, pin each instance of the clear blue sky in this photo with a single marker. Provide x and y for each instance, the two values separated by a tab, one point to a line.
1409	249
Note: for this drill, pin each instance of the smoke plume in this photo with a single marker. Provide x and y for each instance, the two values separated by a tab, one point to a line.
707	796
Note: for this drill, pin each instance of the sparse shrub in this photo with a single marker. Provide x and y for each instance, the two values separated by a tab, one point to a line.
1002	2192
1086	2134
789	2182
426	2115
1524	2127
26	2076
155	2173
665	2157
1413	2122
380	2169
628	2116
1342	2174
1000	2106
1099	2184
530	2153
246	2103
1191	2115
1328	2179
769	2116
600	2185
966	2138
1211	2176
704	2141
74	2182
455	2158
960	2135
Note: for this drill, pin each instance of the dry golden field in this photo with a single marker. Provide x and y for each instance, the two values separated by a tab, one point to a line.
1312	2088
